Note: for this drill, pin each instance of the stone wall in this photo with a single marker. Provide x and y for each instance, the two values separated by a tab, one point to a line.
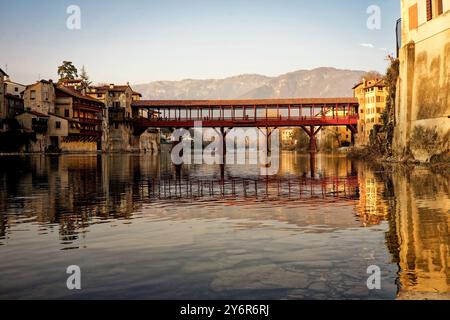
120	137
79	146
150	142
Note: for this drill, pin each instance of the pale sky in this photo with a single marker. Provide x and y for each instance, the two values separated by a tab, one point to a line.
147	40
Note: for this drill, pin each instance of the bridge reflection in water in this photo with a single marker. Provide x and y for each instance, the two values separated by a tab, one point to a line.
309	232
255	189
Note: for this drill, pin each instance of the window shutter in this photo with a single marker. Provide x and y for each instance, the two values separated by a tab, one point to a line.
439	7
429	10
413	16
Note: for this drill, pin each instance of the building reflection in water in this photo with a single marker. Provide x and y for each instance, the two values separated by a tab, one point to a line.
422	222
72	193
373	207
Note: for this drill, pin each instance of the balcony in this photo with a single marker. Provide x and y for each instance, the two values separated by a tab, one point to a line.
90	133
90	121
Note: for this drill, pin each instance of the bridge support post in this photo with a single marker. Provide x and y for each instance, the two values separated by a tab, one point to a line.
223	135
311	132
312	164
312	142
354	131
177	166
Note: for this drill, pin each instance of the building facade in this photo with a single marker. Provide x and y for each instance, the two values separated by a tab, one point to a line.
116	116
40	97
118	134
2	95
84	116
13	106
14	88
372	96
118	97
423	107
35	124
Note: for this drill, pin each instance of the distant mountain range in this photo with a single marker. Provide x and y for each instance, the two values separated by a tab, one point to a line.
316	83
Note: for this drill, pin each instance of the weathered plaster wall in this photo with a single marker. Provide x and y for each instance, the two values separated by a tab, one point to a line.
423	103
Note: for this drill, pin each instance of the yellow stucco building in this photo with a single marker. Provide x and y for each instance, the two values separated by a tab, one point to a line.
372	97
423	106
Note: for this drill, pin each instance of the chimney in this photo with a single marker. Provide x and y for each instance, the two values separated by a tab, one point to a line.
364	82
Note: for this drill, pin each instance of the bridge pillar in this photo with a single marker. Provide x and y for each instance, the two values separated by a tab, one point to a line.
311	132
223	136
354	131
312	164
312	143
177	166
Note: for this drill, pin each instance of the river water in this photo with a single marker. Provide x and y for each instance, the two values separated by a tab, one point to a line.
137	229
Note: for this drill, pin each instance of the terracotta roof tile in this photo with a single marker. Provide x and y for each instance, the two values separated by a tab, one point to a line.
76	94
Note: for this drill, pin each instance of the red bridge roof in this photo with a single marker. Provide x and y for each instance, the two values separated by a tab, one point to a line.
258	102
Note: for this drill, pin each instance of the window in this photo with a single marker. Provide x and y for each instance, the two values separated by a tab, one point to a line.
58	124
99	95
33	94
434	9
66	113
16	89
